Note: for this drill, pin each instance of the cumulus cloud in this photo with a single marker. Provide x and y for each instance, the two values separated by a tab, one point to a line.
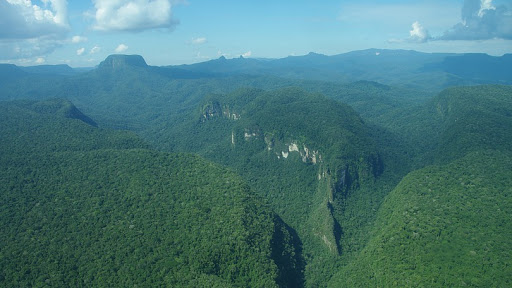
29	48
418	33
78	39
80	51
40	60
30	29
121	48
21	19
95	50
481	20
485	5
134	16
247	54
198	41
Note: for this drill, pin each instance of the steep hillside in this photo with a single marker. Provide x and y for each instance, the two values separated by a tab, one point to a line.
82	206
447	225
119	62
252	126
453	123
52	126
442	226
303	152
474	118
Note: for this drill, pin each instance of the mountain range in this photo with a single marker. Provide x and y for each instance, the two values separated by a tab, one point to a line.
366	169
396	67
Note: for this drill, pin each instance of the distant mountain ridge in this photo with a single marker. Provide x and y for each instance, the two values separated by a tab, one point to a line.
405	68
61	69
480	66
416	69
10	71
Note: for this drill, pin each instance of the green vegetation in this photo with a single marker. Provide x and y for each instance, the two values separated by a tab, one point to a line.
447	225
442	226
328	184
303	152
474	119
76	214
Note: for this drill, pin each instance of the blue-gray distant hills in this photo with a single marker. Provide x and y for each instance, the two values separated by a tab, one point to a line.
397	67
405	68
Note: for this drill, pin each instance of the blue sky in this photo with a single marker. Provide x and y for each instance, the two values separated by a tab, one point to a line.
168	32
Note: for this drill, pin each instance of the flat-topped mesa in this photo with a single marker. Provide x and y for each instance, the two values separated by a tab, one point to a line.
118	61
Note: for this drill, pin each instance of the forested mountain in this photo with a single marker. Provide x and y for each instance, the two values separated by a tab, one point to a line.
303	152
448	225
474	119
331	183
442	226
10	71
82	206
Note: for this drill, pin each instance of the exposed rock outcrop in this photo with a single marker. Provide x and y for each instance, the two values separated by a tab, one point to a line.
117	62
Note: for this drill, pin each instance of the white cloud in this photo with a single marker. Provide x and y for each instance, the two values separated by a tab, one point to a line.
418	33
21	19
481	20
40	60
247	54
78	39
485	5
121	48
32	29
95	50
80	51
199	41
27	48
135	15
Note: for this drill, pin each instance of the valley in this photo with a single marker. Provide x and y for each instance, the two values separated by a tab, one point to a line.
374	168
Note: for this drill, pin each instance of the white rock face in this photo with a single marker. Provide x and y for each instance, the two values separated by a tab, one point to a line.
251	133
228	113
293	147
269	141
248	136
306	154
